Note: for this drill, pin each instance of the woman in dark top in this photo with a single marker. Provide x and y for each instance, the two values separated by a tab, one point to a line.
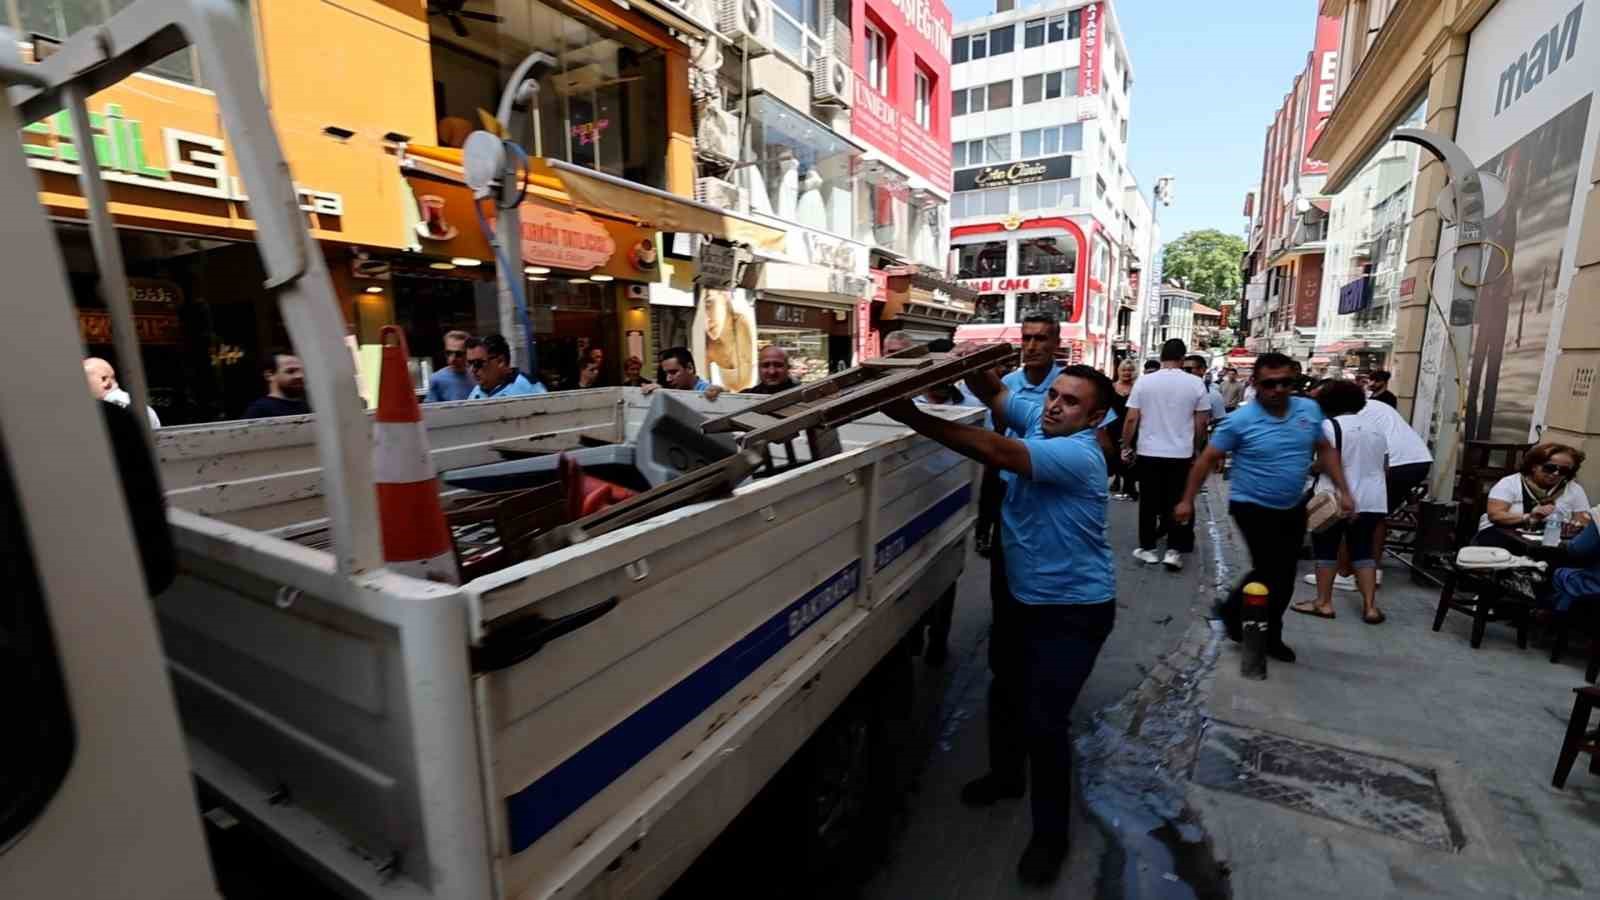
1124	486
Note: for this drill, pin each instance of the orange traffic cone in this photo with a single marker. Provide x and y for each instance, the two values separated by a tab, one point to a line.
416	540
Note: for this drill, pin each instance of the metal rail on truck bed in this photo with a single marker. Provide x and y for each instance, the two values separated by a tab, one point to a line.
818	409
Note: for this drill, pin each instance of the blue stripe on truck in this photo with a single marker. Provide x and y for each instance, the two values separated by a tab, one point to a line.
536	809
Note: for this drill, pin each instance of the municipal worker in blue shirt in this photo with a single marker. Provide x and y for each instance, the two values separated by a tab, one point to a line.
1059	573
453	382
1272	442
489	358
678	372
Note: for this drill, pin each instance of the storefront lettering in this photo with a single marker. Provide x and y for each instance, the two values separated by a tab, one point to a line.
920	15
789	315
565	240
1029	172
834	254
196	163
1029	283
95	328
1544	58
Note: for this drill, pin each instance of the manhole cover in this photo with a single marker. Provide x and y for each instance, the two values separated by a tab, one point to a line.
1382	795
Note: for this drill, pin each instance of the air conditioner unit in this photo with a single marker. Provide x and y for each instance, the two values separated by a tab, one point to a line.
716	135
830	81
698	11
748	23
719	193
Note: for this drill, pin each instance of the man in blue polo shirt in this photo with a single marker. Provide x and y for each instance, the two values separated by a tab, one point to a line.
1059	573
1272	441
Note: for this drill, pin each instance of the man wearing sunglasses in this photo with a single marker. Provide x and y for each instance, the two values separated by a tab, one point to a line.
489	358
453	382
1272	442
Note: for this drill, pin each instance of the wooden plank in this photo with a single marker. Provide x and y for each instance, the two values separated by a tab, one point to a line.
891	362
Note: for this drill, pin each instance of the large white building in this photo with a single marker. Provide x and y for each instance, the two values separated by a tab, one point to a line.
1046	216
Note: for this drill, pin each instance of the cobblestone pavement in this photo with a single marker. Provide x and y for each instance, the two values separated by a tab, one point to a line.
949	852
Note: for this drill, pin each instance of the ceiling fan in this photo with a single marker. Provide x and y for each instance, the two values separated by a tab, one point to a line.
455	10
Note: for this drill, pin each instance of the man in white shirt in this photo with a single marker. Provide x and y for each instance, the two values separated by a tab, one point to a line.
1168	411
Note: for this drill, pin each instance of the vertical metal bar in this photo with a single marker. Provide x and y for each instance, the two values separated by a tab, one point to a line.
870	500
113	284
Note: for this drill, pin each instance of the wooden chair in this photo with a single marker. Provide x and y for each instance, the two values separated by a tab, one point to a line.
1579	738
1493	601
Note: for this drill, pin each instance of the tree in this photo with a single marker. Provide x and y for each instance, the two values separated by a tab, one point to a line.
1206	262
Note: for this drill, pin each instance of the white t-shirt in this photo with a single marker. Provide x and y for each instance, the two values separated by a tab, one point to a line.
1167	400
1362	449
1406	447
1571	502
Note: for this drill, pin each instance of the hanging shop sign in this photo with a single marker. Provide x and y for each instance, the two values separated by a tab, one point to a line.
1028	283
1015	173
1322	83
1089	63
196	163
717	266
564	240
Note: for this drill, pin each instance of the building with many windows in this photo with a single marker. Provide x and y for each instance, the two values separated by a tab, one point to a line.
1040	218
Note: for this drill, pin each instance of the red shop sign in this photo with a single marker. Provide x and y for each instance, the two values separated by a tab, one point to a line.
563	240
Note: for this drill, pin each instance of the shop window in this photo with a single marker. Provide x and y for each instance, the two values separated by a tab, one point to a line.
1052	85
797	29
1072	138
804	168
1002	40
1055	304
958	51
985	260
59	19
990	309
1033	33
990	202
1000	95
924	108
602	106
878	61
1032	88
958	103
1056	255
1048	195
1031	143
1056	29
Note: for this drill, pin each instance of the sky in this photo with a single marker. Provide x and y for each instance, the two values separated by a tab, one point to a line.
1207	79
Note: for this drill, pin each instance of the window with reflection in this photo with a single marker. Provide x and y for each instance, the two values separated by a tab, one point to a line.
1056	304
1055	255
802	169
985	260
990	309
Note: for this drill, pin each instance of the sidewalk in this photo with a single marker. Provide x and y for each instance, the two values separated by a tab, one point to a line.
1393	761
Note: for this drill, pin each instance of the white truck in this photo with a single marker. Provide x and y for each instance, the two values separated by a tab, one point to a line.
396	737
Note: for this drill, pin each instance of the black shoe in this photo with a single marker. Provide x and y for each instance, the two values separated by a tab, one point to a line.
1230	621
989	789
1041	861
1280	652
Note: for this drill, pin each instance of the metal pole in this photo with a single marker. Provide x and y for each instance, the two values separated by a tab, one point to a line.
113	284
1461	312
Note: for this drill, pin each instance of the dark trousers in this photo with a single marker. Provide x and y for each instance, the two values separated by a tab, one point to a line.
1041	657
1274	537
1161	485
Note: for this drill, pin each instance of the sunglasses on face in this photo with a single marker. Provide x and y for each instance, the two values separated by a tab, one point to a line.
1274	384
1553	469
476	364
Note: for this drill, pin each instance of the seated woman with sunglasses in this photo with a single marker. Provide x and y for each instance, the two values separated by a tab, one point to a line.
1546	486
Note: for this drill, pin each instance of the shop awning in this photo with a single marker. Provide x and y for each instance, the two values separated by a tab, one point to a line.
805	281
662	210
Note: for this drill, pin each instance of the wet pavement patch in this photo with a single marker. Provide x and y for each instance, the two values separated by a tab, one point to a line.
1383	795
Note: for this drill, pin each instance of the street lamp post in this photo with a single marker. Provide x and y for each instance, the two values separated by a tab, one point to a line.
1161	196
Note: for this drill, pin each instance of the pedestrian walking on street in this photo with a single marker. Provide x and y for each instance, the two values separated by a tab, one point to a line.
1167	415
1124	486
1061	604
453	382
1362	451
1272	442
1232	389
286	387
1378	382
489	358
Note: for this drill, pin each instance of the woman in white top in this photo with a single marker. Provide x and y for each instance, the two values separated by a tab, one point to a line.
1546	486
1363	449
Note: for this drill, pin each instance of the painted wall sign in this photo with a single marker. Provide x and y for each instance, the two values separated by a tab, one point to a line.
1023	283
886	118
1323	81
1089	61
196	163
1546	55
1015	173
95	328
564	240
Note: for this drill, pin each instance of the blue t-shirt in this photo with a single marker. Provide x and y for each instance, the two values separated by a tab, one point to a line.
517	386
448	384
1054	523
1271	455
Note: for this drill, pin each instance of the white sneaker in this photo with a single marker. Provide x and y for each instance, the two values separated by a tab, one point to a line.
1173	560
1148	557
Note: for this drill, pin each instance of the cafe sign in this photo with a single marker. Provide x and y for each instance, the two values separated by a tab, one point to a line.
1010	174
563	240
1027	284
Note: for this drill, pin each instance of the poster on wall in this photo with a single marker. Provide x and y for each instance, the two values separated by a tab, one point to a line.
1525	117
1322	82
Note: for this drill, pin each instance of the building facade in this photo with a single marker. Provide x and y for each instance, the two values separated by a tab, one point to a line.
1040	218
1513	84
